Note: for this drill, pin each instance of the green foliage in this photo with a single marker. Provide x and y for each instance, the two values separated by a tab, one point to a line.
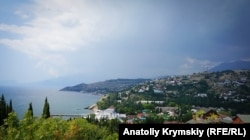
11	120
48	128
30	109
5	109
202	86
243	89
154	119
33	128
9	107
107	101
187	116
26	126
149	106
172	104
46	111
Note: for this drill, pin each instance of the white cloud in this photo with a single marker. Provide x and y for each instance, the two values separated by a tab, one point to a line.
96	36
196	65
190	60
246	59
53	28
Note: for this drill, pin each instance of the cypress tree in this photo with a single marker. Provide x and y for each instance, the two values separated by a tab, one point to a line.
46	112
3	110
9	107
30	109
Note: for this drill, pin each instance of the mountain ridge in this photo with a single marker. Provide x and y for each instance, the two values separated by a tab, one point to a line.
111	85
236	65
120	84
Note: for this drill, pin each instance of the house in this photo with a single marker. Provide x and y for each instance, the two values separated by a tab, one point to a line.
169	110
243	79
241	118
149	102
141	116
108	113
131	119
227	82
201	95
157	91
141	90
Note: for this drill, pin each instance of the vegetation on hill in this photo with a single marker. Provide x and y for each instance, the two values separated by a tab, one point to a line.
226	90
46	111
105	86
32	128
5	109
49	128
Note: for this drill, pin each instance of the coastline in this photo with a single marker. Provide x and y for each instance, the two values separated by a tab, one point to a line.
94	106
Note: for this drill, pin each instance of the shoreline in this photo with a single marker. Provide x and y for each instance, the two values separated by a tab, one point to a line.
94	106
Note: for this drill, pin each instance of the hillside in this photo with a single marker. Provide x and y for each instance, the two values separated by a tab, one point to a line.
105	86
226	91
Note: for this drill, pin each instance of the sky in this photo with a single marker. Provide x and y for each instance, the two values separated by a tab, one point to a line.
107	39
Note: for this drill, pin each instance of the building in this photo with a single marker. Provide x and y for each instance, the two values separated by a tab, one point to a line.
241	118
108	114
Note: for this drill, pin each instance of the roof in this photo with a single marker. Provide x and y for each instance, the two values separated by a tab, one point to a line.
109	110
226	120
244	117
200	121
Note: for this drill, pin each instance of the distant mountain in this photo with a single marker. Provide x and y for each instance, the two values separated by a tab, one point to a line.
105	86
237	65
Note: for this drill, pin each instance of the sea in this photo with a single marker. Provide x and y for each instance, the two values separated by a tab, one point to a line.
60	102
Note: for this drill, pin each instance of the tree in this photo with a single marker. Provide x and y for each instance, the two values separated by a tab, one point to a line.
30	109
154	119
46	112
3	111
11	108
213	118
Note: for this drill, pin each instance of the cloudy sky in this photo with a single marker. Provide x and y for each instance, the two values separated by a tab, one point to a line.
106	39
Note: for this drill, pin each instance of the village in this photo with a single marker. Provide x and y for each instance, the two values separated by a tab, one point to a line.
211	101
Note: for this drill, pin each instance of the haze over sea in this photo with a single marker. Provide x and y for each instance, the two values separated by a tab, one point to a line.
61	102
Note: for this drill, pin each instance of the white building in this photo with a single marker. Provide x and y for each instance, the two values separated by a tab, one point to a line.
108	114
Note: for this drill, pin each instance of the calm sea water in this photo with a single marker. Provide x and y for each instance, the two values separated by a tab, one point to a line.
61	102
